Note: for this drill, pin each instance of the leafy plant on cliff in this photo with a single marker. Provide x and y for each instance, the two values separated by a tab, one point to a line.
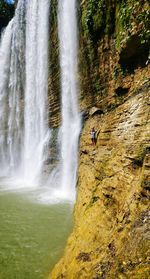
6	10
93	17
132	17
144	17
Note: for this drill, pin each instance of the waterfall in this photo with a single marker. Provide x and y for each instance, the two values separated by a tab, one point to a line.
36	133
11	91
71	123
24	132
4	72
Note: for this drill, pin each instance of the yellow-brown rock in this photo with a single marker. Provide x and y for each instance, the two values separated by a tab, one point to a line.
111	237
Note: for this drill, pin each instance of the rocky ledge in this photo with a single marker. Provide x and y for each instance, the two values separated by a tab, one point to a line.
111	231
110	239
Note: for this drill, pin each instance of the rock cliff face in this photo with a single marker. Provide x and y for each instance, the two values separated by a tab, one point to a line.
113	42
54	70
111	234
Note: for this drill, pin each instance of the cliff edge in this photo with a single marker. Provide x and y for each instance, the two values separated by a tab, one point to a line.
111	233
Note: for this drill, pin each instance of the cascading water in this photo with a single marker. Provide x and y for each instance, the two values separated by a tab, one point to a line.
12	78
62	180
71	122
24	132
4	71
36	133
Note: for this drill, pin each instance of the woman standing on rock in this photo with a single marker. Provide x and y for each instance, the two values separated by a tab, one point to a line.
93	136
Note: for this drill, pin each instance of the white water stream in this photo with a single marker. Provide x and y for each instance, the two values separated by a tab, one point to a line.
71	122
24	131
36	132
12	78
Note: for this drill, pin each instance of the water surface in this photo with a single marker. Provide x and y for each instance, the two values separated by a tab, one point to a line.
32	236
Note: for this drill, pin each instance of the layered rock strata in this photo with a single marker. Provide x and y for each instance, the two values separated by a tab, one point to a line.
111	233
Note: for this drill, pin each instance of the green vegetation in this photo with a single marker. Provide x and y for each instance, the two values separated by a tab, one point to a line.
6	10
97	18
132	15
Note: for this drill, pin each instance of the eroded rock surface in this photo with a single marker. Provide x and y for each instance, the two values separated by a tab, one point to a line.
111	233
110	239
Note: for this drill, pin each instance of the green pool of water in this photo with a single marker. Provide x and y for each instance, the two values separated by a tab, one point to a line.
32	236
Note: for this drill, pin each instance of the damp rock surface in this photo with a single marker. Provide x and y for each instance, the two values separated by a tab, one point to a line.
110	239
111	232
